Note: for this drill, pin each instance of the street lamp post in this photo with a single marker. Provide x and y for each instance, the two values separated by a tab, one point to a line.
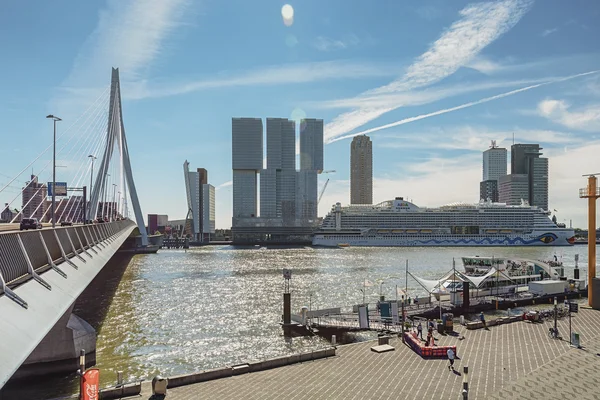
112	206
54	119
118	203
92	158
104	197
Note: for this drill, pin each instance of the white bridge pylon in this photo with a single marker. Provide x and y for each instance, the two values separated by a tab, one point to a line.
116	138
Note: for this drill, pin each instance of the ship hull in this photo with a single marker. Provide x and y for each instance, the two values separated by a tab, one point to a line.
536	238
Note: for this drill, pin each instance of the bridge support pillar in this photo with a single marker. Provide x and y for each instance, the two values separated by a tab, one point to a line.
59	351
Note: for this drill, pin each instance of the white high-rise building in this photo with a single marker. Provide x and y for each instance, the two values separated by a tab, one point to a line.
361	170
201	203
494	162
247	161
208	211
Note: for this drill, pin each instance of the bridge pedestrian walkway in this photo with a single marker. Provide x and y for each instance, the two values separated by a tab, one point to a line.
516	360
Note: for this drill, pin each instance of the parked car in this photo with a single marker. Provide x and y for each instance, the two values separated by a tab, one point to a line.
66	223
30	223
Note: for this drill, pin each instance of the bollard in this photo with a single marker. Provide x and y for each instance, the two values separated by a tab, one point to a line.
333	340
119	378
462	319
465	391
509	311
81	372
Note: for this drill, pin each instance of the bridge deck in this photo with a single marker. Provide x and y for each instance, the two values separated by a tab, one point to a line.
515	360
30	305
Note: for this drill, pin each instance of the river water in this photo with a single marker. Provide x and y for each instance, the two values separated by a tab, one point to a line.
183	311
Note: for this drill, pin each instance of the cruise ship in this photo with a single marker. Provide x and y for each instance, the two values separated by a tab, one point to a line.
399	222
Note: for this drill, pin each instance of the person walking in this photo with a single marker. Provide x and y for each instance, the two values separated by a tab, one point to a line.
482	318
420	330
450	353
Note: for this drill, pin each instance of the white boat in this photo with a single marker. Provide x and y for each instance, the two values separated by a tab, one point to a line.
491	276
402	223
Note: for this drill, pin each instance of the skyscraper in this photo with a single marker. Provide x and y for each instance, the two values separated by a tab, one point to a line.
278	180
494	167
494	162
525	159
513	189
247	161
361	170
201	203
288	197
311	144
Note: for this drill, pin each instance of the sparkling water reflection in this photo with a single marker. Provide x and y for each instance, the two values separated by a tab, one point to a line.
179	312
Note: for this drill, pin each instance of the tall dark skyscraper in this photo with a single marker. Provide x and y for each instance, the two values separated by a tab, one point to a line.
526	160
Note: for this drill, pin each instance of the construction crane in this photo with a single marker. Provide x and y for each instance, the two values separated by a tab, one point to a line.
323	191
325	185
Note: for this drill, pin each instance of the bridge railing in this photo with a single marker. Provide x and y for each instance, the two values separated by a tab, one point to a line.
26	254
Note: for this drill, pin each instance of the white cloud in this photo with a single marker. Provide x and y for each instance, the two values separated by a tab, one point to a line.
270	75
479	26
460	107
585	119
419	97
323	43
224	185
549	32
475	138
129	35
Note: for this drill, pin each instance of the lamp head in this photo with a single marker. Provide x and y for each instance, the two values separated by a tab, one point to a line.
53	117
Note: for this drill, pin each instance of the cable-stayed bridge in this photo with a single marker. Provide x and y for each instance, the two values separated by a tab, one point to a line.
43	271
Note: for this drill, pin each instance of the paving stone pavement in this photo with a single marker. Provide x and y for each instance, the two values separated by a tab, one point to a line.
512	361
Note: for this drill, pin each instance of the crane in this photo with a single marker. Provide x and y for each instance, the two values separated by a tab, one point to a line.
325	185
322	191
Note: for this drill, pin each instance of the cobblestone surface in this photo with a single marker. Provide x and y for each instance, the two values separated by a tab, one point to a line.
510	361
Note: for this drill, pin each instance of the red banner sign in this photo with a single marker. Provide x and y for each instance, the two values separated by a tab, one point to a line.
90	384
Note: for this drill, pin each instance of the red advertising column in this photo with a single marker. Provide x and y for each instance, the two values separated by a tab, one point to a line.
90	384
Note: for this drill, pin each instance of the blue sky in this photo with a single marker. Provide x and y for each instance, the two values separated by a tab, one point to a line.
469	71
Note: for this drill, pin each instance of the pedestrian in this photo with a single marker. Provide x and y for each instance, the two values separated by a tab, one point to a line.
429	339
420	330
417	301
482	318
450	353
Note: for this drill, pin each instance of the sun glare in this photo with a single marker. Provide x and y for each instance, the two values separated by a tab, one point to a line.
287	12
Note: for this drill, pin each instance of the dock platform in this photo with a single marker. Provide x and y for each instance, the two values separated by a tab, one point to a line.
510	361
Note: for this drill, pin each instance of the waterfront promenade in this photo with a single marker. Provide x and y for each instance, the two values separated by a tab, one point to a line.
509	361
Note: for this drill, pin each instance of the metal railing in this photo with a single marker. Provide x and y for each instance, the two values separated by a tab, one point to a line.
24	255
586	192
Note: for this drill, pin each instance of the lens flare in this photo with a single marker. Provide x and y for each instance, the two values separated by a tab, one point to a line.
287	12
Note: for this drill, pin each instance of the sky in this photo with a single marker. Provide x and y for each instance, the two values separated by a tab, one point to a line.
431	82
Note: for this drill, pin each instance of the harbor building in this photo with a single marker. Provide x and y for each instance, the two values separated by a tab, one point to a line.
288	197
526	159
361	170
34	200
201	204
488	190
513	189
157	223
